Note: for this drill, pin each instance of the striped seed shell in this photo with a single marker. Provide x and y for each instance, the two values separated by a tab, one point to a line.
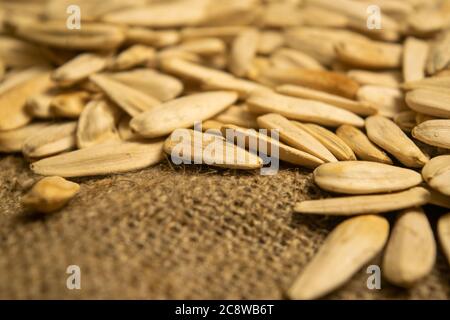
437	174
351	245
295	136
182	113
103	159
302	110
364	177
387	135
370	204
433	132
411	250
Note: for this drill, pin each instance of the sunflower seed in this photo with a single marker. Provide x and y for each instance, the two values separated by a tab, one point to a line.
182	113
290	58
330	141
151	82
13	97
51	140
414	59
369	54
269	41
285	153
439	56
411	250
69	105
16	53
197	147
239	116
328	81
38	106
79	68
161	14
437	174
155	38
132	101
226	33
50	194
351	245
103	159
361	145
318	17
363	177
355	205
301	109
443	230
386	78
438	199
243	51
212	127
429	102
387	135
93	36
389	101
406	120
434	132
134	56
202	46
358	107
433	83
97	124
295	136
13	140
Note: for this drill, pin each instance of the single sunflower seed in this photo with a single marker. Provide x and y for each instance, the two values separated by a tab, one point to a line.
443	230
13	140
51	140
411	251
364	177
434	132
50	194
437	174
415	55
182	113
430	102
302	109
371	204
351	245
387	135
110	158
361	145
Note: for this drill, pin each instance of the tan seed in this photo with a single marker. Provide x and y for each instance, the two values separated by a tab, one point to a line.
437	174
13	140
355	205
434	132
443	230
243	51
411	250
103	159
182	113
302	109
364	177
51	140
69	105
351	245
381	78
50	194
239	116
414	59
135	56
389	101
429	102
387	135
406	120
295	136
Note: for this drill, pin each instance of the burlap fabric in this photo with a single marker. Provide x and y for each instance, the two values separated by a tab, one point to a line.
173	233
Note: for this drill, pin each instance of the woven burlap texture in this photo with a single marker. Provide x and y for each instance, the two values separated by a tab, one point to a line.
188	232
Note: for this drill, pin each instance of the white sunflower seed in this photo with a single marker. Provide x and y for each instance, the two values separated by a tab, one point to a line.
351	245
411	250
415	55
364	177
355	205
437	174
434	132
430	102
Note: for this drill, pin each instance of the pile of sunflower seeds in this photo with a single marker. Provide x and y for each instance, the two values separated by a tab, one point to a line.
367	108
